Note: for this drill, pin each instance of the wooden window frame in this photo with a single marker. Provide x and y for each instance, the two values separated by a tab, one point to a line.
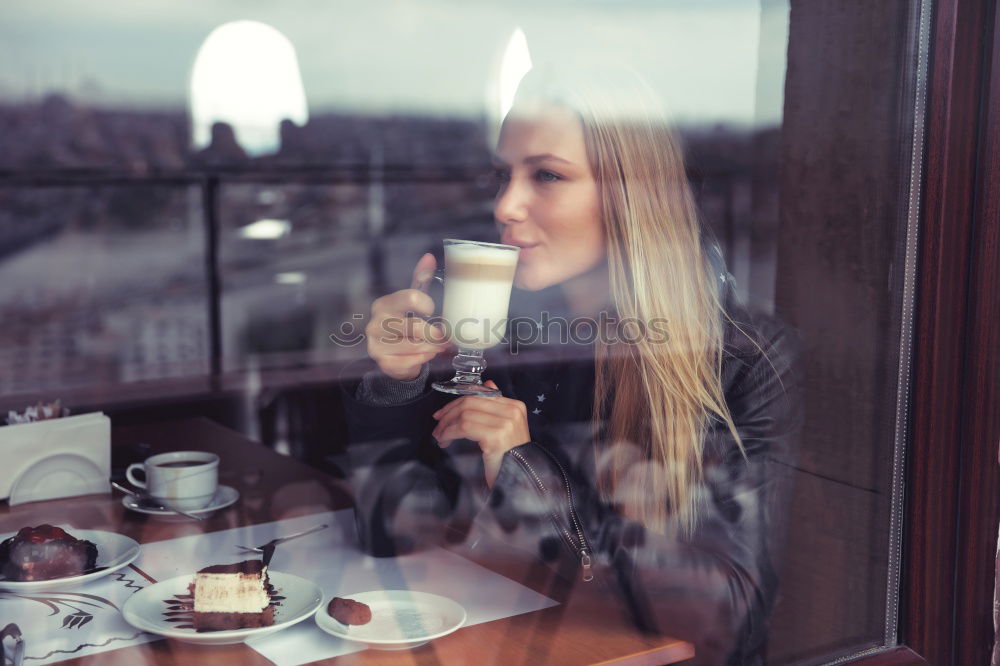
953	477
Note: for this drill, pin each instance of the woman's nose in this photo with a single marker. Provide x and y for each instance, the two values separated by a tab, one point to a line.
510	205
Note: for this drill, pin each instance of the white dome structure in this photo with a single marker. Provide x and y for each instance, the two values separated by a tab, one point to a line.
246	74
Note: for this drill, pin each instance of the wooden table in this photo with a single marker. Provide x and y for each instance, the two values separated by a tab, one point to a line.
581	630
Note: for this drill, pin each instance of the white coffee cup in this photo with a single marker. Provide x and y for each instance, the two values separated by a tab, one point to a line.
183	480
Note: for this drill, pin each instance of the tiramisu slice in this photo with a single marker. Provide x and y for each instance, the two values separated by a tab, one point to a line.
232	596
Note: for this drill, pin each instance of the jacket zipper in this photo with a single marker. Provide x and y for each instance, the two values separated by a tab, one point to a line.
582	549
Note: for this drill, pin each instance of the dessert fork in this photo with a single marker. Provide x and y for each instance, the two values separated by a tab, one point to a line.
274	542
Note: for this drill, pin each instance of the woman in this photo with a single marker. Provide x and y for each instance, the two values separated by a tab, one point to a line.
644	461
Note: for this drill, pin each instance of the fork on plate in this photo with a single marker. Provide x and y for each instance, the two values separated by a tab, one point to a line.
268	548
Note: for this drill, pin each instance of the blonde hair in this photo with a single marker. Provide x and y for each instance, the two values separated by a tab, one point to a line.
659	397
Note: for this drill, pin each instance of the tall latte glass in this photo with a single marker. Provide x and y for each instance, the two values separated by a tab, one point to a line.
476	297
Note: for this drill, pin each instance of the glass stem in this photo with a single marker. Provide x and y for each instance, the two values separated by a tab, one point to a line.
469	365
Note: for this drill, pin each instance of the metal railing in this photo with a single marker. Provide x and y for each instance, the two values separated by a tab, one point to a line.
210	180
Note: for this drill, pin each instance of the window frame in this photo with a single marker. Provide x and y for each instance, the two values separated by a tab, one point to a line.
950	533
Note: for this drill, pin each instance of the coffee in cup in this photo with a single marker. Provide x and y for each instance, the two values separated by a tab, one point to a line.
477	291
181	480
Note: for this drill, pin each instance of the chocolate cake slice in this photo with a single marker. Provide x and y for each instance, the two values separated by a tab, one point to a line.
232	596
45	552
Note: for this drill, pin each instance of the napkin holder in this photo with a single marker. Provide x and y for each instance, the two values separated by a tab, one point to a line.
55	458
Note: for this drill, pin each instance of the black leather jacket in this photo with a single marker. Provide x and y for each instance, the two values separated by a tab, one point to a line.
715	588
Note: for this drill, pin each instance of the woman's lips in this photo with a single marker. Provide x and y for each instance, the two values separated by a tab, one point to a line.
526	251
524	246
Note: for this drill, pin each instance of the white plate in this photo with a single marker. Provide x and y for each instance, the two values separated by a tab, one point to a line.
144	609
114	551
224	496
401	619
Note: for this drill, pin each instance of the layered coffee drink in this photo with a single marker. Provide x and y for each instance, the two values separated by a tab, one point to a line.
477	291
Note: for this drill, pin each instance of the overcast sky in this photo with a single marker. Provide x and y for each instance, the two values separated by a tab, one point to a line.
709	59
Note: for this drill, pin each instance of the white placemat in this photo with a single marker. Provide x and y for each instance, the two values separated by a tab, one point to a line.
331	558
78	621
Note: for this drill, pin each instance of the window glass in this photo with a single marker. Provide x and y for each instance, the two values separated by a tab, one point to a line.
101	285
327	145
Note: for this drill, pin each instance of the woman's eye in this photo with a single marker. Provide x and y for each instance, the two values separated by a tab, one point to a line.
545	176
501	175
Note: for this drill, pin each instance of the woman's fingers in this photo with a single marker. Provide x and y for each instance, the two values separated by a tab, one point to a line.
400	346
477	426
499	406
423	272
398	303
400	350
421	329
403	336
399	342
498	425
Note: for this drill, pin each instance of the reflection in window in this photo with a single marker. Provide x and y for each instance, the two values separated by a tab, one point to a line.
515	64
246	75
103	287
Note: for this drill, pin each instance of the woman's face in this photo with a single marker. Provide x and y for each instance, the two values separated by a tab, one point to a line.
548	203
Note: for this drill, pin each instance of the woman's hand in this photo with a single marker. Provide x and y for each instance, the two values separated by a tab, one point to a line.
496	424
399	342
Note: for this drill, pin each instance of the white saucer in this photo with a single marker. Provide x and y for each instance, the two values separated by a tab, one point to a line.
144	609
114	551
224	496
401	619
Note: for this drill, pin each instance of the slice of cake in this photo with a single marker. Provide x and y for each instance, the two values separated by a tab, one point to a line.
232	596
45	552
